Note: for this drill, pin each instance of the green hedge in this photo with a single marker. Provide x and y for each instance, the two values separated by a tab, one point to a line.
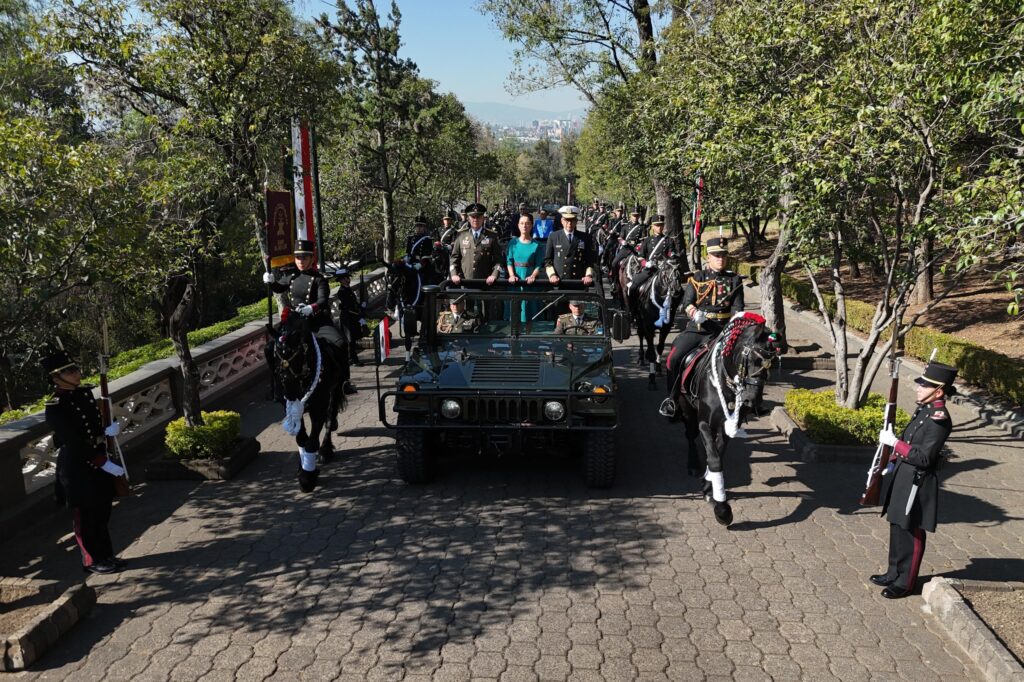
980	366
210	441
128	361
825	422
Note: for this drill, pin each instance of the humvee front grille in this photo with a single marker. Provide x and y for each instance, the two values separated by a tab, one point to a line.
509	410
506	371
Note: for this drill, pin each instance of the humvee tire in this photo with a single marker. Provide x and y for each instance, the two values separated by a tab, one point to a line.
599	459
411	446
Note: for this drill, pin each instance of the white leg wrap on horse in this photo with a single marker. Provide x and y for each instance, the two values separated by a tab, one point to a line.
308	460
654	367
293	410
717	479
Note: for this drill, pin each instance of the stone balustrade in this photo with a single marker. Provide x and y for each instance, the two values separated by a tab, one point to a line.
146	400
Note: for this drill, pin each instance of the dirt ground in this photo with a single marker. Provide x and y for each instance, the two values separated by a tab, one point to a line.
975	311
1001	611
18	606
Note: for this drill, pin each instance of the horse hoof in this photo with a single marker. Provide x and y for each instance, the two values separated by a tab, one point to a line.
723	513
308	480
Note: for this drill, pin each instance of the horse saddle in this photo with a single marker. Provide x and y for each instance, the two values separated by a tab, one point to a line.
690	363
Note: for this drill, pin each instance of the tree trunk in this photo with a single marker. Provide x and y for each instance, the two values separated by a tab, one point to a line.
178	304
771	286
8	393
734	227
669	206
924	290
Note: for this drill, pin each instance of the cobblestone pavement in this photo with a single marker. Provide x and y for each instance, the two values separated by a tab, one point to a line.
511	569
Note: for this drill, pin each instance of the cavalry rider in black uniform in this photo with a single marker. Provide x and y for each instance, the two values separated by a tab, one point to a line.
711	298
348	315
448	231
630	236
910	487
657	247
419	245
85	477
309	296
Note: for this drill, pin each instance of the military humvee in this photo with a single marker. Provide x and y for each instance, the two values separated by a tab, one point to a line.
500	379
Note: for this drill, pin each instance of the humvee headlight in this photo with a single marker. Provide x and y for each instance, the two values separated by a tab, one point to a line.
554	410
450	409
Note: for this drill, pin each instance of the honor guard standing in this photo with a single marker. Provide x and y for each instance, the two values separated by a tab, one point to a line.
308	294
711	297
569	253
85	476
476	253
575	322
910	487
419	246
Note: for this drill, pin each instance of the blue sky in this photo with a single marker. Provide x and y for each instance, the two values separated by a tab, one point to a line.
455	45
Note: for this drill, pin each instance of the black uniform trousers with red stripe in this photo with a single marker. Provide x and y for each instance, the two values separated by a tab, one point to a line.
91	525
910	491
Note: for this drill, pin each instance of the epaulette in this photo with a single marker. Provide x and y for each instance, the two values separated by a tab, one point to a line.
940	415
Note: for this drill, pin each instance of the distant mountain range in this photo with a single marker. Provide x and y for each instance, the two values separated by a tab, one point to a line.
511	115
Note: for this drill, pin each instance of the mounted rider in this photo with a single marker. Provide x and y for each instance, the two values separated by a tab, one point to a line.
307	293
419	245
711	298
631	234
657	247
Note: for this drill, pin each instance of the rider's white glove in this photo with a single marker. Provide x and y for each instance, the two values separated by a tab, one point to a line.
417	266
112	431
305	310
699	316
362	321
887	437
268	278
649	265
112	469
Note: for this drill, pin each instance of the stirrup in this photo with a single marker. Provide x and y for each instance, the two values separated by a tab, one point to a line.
667	407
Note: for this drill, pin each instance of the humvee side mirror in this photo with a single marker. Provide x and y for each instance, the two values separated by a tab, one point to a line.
620	327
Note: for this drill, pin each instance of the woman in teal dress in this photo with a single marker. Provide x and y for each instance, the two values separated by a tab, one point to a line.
524	261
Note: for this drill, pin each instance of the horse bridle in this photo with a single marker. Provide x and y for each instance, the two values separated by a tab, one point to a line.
291	359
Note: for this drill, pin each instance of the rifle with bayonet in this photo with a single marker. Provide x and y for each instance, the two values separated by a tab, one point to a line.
884	453
122	484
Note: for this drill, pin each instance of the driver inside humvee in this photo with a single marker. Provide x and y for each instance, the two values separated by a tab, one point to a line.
457	319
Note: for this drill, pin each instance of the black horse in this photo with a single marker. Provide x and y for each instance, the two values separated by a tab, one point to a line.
653	306
731	370
404	281
310	383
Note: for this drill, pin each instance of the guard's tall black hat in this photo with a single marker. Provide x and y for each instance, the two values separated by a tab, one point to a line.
636	209
719	245
620	206
304	247
475	209
937	375
420	220
658	219
58	361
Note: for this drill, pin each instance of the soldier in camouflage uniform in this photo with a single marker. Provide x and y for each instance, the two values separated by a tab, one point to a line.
575	322
457	320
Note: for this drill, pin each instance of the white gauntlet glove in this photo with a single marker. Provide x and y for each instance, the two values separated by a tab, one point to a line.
112	469
268	278
699	316
112	431
305	310
649	265
887	437
417	266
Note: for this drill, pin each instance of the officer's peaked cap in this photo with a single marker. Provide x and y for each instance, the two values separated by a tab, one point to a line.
718	245
569	212
476	209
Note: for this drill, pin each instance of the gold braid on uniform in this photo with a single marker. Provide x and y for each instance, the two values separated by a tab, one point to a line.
704	290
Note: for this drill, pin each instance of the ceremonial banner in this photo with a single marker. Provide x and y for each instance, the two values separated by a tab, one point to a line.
280	228
382	340
302	175
698	197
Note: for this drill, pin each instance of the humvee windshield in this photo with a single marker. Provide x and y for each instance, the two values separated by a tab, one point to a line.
513	314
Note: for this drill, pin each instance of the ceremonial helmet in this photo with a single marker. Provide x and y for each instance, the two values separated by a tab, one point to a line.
938	375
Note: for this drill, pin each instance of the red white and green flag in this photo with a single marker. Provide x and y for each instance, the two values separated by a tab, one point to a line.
698	199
